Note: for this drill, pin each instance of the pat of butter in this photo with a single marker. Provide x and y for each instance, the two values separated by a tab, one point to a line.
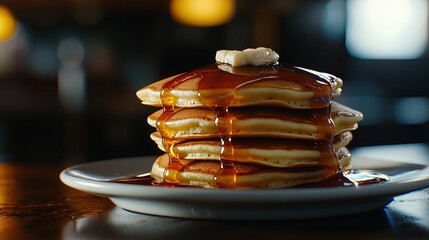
251	56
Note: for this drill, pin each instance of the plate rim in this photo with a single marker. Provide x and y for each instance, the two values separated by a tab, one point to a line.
291	195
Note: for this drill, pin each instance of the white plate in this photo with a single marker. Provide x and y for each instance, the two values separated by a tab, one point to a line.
296	203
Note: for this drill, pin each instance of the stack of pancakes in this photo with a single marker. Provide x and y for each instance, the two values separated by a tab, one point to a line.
271	126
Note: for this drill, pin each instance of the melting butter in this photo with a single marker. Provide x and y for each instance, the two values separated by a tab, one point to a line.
251	56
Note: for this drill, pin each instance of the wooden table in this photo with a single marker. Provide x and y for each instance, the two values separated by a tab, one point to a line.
34	204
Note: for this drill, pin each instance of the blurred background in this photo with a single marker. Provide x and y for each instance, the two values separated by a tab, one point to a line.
69	69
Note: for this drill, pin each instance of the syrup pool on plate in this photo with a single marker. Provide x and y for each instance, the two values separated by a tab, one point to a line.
354	178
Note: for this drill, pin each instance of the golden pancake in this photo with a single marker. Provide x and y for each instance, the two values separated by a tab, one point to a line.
197	123
270	85
209	174
275	152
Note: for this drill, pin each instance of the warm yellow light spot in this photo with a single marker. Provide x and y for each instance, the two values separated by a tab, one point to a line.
8	24
202	13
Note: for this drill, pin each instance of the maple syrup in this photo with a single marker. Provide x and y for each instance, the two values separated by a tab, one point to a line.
355	178
218	90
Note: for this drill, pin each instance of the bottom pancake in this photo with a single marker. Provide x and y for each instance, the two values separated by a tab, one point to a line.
209	174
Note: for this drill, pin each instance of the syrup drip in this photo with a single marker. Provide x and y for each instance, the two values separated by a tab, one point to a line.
226	177
218	89
328	153
168	102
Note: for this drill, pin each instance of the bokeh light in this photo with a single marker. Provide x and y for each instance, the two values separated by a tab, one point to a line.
387	29
8	24
202	13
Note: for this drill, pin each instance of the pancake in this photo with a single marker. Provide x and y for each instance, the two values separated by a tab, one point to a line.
273	152
197	123
208	174
270	85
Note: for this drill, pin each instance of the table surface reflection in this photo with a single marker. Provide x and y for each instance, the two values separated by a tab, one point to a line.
34	204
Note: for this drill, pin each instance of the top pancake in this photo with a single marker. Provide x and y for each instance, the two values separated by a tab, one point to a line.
226	86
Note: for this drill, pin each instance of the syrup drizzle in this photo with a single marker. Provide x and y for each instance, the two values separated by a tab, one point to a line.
218	90
169	102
